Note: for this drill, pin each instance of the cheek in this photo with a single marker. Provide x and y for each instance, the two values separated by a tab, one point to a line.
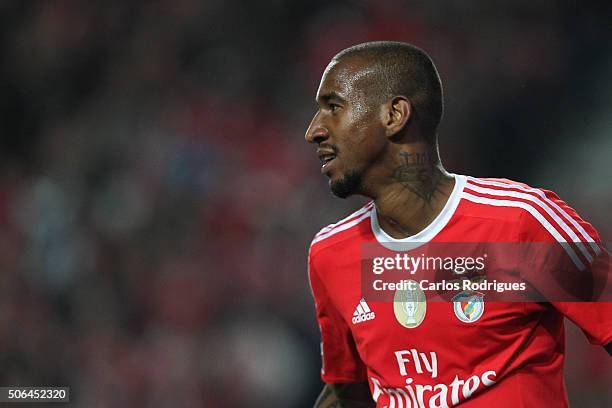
367	131
361	134
363	147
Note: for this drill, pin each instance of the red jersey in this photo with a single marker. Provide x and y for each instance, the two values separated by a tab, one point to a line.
469	352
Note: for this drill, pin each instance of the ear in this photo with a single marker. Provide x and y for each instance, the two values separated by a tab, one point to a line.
396	114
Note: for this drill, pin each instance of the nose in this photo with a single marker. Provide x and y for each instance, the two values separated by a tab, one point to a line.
316	132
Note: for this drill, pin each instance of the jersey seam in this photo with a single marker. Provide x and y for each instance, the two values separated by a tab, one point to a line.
340	241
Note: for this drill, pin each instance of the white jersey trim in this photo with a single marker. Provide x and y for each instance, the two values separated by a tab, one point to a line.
542	205
330	227
536	214
430	231
540	193
343	227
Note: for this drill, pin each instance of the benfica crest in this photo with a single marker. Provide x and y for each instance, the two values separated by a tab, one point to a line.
469	306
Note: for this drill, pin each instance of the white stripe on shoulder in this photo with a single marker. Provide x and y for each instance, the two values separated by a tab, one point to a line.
542	205
539	192
363	209
536	214
343	227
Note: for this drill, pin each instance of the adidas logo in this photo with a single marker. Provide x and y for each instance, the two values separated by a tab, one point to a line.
362	313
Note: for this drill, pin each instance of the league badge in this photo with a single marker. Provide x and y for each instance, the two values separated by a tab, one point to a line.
410	306
468	306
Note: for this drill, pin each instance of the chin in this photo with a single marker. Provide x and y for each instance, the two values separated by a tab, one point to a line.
347	185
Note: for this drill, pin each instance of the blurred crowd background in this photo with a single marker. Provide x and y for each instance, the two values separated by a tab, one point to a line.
157	197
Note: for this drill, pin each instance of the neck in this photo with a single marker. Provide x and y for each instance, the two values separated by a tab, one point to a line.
415	189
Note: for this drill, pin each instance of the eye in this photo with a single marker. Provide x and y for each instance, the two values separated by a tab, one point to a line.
334	107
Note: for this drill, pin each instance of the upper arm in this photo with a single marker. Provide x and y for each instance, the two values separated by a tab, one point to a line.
570	267
341	362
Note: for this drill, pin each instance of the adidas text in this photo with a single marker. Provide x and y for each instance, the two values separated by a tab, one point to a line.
363	317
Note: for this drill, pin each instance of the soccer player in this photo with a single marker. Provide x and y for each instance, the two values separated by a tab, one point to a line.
379	107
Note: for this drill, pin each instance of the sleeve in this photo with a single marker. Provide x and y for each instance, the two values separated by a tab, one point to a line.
593	318
571	267
340	360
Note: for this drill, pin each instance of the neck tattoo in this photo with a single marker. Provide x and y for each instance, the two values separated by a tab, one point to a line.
418	174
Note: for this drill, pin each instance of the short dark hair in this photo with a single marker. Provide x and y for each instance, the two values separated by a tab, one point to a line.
403	69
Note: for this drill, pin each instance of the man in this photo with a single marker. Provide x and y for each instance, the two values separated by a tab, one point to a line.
380	104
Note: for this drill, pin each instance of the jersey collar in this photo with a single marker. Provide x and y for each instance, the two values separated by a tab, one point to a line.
429	232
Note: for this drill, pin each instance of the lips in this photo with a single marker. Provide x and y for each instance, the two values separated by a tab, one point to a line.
326	157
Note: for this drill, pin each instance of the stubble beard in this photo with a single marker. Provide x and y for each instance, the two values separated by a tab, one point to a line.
350	183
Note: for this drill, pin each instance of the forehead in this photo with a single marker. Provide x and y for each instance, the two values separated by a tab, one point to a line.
349	78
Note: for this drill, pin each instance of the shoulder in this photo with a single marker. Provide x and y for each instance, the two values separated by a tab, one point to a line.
346	229
538	214
501	198
535	205
519	200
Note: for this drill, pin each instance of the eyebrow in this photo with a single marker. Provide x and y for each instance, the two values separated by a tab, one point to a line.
329	96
